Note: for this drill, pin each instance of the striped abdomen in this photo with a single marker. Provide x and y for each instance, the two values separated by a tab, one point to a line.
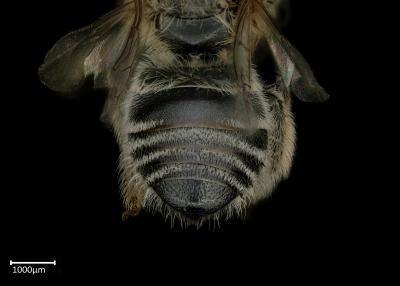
194	159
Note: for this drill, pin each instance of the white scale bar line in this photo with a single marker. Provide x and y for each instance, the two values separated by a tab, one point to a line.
33	262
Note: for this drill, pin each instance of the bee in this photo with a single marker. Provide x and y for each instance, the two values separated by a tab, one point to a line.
202	136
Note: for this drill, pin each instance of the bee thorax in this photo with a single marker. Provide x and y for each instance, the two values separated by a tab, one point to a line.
191	8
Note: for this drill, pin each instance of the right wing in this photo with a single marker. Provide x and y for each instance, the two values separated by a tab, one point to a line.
296	73
254	23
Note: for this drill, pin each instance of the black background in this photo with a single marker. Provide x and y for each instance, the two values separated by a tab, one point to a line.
64	201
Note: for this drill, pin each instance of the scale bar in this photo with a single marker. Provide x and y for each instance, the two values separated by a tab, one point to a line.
33	263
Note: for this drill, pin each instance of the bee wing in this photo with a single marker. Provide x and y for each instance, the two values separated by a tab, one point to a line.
97	50
293	68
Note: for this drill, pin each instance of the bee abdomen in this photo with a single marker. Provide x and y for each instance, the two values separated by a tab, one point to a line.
196	169
201	151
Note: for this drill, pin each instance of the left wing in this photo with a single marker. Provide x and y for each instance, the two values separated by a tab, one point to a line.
98	50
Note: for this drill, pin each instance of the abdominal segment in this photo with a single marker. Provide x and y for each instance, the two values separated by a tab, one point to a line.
194	160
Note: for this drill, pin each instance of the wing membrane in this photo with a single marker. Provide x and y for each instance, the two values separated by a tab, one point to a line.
296	73
92	50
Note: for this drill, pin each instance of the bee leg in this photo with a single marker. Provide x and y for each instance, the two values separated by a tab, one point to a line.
134	212
135	206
